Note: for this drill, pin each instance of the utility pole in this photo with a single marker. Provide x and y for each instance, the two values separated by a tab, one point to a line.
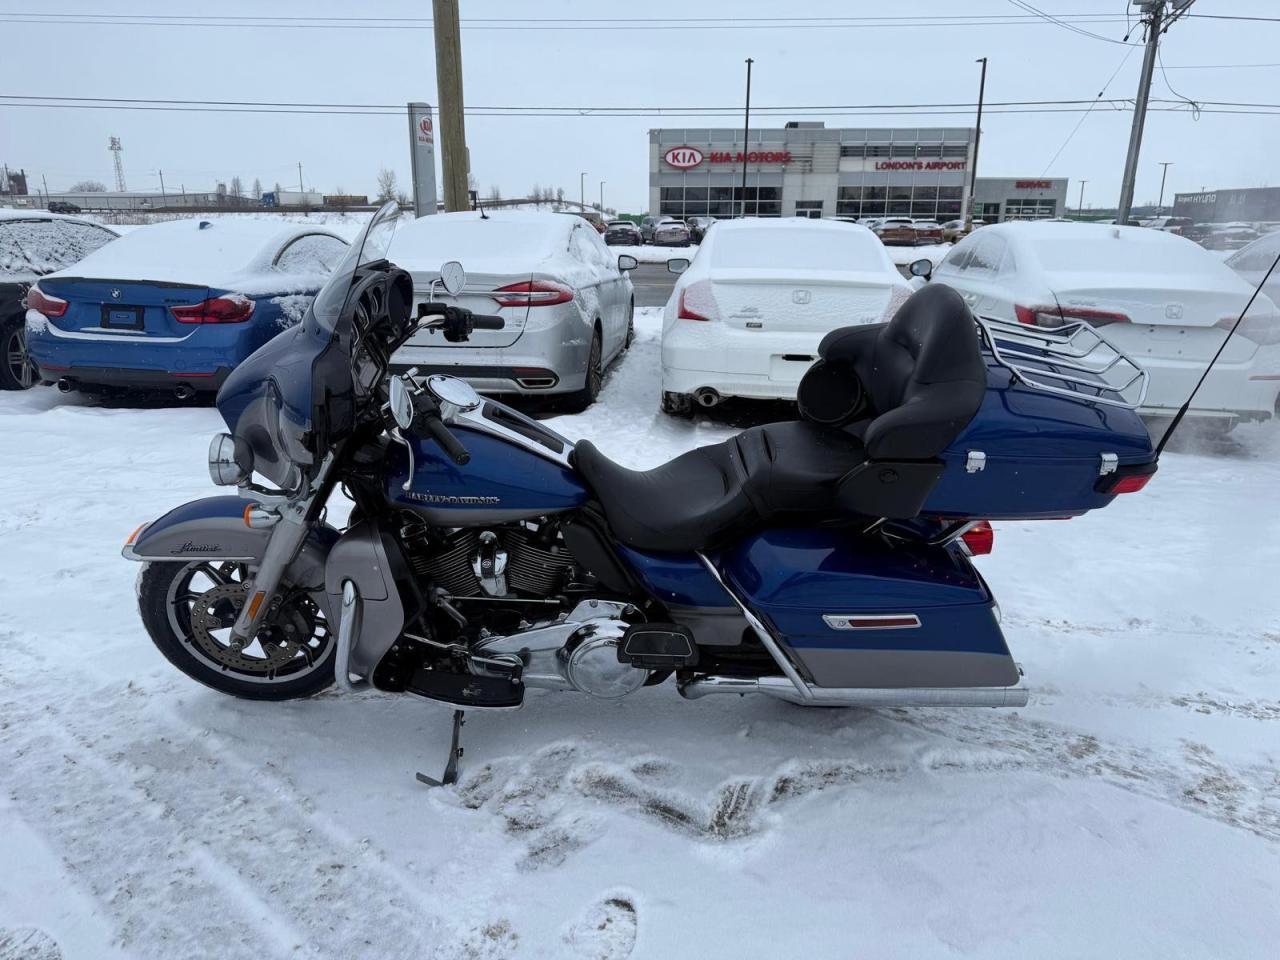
1080	206
602	183
582	191
1163	174
301	189
746	134
977	139
1155	16
453	134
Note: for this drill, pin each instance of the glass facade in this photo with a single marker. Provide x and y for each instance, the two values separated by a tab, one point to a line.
925	201
719	201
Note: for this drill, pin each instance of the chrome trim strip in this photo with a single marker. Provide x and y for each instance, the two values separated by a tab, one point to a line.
802	689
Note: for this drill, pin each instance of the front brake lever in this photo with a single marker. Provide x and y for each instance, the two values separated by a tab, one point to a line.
400	438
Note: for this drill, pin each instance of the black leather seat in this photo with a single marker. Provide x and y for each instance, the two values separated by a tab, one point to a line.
924	379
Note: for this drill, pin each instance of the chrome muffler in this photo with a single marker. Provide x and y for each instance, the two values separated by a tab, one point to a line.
781	688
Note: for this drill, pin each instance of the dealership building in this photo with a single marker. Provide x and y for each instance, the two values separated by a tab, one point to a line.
809	170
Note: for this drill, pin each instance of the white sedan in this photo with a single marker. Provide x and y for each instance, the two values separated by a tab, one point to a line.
747	314
566	299
1161	298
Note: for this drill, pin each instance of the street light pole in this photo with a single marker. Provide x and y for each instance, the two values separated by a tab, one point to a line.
582	191
746	133
1140	112
977	139
1080	206
602	183
1163	174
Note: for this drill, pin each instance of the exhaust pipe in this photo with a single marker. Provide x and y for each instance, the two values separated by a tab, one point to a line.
706	396
781	688
66	386
183	392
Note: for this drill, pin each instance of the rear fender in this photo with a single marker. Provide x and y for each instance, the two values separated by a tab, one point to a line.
213	528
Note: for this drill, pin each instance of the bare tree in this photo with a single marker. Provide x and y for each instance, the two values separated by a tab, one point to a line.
387	185
88	186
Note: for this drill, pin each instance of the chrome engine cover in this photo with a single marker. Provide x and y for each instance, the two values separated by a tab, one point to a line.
578	653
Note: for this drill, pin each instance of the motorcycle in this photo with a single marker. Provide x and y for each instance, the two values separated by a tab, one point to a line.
825	561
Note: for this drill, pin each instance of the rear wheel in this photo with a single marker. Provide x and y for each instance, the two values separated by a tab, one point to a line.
17	372
189	609
594	381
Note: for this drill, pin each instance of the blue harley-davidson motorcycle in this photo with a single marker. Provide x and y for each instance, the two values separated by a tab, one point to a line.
823	561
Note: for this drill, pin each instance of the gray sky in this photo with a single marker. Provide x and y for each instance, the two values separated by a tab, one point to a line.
1029	60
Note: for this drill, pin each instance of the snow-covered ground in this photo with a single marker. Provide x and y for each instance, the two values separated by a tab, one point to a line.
1131	810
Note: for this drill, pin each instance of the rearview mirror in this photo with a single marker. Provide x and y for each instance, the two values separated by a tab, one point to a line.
453	278
677	265
922	268
627	262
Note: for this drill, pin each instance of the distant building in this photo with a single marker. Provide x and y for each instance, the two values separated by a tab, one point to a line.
1249	204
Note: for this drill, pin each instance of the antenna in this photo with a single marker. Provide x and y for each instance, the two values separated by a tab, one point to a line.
116	149
1182	412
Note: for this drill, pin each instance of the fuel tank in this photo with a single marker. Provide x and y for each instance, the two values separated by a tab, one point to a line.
502	482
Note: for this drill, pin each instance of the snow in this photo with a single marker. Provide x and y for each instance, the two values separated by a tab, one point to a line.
1132	809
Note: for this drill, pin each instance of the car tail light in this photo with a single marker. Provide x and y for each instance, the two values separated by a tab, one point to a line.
533	293
1263	328
979	539
228	308
697	303
1053	317
42	302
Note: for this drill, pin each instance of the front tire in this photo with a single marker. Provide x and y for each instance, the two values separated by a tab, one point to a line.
188	609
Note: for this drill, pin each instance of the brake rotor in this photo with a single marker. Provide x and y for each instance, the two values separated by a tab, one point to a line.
280	638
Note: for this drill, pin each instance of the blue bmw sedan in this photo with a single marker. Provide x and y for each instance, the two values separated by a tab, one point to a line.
175	306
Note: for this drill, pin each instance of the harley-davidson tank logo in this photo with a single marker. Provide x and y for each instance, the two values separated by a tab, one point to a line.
446	498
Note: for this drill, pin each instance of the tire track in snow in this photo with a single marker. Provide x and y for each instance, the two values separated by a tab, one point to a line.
185	851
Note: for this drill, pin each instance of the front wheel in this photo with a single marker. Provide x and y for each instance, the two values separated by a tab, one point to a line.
189	609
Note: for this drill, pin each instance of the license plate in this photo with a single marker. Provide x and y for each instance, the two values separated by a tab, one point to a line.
121	318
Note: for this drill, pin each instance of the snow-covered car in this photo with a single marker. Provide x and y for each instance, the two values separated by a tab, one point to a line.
566	299
1253	261
669	232
1159	297
176	306
747	314
33	244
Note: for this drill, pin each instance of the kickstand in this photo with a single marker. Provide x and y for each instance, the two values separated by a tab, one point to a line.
455	754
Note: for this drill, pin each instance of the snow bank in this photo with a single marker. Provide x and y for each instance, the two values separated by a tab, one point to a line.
1131	810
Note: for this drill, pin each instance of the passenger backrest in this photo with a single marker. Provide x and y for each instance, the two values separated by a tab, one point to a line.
923	372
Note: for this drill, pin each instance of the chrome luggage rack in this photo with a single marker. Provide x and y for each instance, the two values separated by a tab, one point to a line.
1074	360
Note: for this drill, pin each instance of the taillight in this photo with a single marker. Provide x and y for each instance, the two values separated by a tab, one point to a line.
41	302
979	539
1263	329
696	302
533	293
1053	317
228	308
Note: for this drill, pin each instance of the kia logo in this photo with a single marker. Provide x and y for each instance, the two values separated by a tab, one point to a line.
682	158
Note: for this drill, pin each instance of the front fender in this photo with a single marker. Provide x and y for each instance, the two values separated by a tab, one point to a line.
213	528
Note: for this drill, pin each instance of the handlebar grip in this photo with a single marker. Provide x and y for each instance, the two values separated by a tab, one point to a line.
448	442
481	321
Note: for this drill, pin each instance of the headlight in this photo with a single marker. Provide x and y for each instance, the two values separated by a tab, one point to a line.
230	462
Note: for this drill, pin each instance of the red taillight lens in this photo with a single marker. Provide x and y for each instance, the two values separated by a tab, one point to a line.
979	539
696	302
228	308
533	293
1053	317
41	302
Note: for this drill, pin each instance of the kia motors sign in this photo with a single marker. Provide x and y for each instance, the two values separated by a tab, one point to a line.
683	158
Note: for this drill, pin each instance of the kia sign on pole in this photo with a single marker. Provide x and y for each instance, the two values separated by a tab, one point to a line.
422	154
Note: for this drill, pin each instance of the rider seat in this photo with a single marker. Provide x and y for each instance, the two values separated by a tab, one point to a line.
903	390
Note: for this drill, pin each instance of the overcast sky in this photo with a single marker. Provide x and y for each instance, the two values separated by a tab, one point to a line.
681	67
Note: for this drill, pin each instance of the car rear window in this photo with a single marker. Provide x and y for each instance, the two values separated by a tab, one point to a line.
843	249
32	248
